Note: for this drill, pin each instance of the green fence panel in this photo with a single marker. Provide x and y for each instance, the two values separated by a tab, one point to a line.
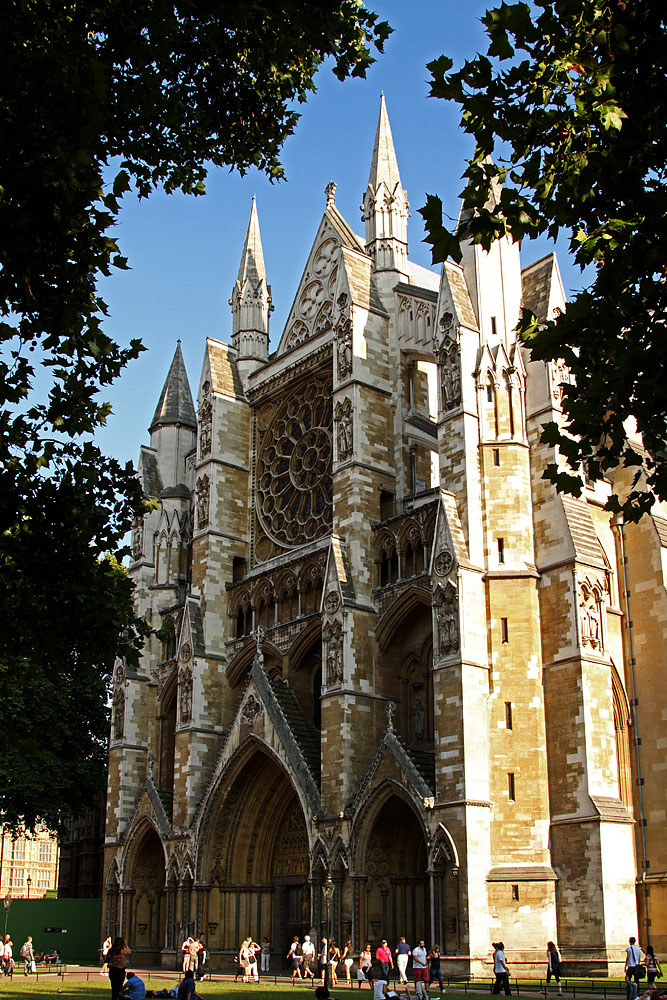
71	926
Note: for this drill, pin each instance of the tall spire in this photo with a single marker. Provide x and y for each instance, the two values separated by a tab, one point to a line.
385	206
384	166
251	297
175	406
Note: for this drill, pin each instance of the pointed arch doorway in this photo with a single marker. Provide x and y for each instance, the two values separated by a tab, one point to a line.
256	857
394	893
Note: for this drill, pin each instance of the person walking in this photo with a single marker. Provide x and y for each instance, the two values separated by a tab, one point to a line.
402	956
28	955
347	958
553	967
366	964
8	956
385	961
117	957
334	959
295	955
420	970
202	956
435	972
633	957
106	944
502	973
308	955
253	951
652	964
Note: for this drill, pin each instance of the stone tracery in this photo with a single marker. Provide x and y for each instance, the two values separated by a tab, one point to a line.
294	466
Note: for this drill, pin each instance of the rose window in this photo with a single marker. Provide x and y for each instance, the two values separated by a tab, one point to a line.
294	467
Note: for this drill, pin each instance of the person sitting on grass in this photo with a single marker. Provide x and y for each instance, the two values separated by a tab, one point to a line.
134	988
186	988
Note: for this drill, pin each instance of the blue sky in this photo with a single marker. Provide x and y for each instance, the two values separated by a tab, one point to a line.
184	252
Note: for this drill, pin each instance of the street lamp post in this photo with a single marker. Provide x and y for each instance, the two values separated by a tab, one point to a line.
328	889
8	902
28	882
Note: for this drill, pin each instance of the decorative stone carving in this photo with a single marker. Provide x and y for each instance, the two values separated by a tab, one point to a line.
330	191
332	641
391	712
202	499
205	420
332	602
138	538
186	652
443	562
560	376
260	636
590	613
251	710
294	466
344	428
447	618
185	695
418	721
344	347
119	713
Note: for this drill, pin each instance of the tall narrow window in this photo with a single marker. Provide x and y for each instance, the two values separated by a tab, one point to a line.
496	456
501	550
515	893
511	788
508	715
504	631
494	327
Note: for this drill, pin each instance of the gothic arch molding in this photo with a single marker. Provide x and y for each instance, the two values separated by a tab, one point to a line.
134	840
217	795
368	810
238	667
392	619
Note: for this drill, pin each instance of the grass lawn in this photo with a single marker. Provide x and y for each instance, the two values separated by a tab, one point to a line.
97	987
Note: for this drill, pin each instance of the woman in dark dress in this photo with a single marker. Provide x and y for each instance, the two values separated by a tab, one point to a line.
117	957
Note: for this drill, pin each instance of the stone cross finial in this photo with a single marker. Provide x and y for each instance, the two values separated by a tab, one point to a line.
330	191
391	711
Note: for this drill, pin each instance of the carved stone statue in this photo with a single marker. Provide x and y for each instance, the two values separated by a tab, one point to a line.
202	499
185	694
344	422
344	347
205	420
332	640
419	721
447	617
119	713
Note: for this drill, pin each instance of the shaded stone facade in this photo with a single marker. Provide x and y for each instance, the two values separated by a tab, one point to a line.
392	654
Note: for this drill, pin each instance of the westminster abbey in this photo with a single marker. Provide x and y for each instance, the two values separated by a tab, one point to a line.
392	662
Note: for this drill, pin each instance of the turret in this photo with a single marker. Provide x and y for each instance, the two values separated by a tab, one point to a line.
385	206
251	301
173	428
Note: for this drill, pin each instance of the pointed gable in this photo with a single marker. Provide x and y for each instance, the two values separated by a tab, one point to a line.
175	405
312	310
543	291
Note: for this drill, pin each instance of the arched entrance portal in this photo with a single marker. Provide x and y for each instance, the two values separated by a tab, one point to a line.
257	859
395	898
144	922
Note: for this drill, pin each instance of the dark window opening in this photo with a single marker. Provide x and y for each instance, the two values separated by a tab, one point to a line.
238	569
496	456
515	893
511	787
494	327
508	715
501	550
504	631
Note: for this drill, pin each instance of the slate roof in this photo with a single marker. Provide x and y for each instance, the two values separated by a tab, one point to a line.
304	732
175	405
424	761
225	378
661	527
422	276
149	473
586	543
536	283
461	296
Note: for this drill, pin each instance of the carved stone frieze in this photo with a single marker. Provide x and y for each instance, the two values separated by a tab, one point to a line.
251	709
443	562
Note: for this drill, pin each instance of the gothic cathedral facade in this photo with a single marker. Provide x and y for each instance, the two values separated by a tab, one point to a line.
403	686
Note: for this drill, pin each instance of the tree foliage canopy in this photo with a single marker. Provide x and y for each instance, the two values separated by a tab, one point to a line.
570	101
155	92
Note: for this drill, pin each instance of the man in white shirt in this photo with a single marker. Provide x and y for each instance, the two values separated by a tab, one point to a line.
381	990
308	951
420	970
633	957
